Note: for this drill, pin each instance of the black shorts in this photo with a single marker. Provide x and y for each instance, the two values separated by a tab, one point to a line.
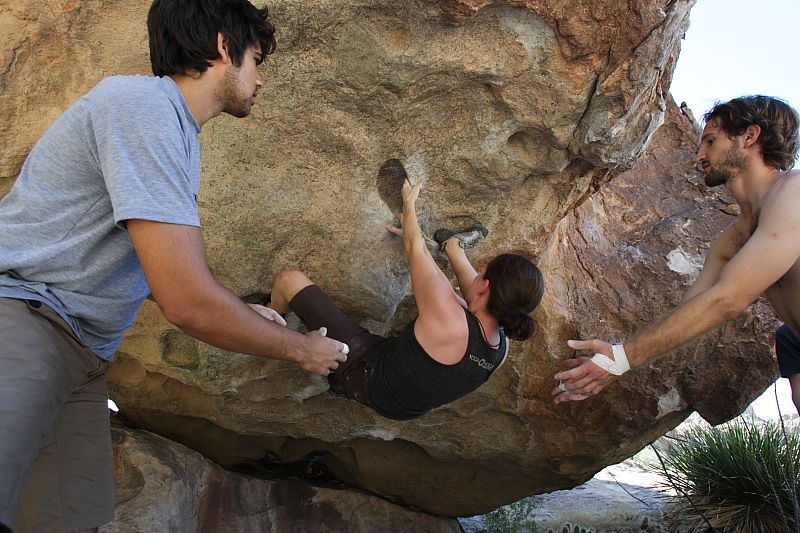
316	310
787	347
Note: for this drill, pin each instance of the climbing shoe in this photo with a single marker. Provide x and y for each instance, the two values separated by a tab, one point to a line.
467	238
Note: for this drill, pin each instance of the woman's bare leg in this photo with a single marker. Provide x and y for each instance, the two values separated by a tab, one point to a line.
287	285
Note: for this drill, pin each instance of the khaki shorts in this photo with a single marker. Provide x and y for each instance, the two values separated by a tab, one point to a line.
56	466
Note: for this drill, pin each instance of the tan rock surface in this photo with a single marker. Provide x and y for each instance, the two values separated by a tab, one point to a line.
513	113
163	487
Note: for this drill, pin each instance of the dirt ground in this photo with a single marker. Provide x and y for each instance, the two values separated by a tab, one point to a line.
620	499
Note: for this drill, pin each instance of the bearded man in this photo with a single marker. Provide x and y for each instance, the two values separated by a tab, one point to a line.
749	144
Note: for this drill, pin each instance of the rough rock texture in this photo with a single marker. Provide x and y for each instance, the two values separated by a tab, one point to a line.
163	487
513	113
635	247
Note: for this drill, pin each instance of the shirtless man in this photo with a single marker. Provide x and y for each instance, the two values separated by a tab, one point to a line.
748	144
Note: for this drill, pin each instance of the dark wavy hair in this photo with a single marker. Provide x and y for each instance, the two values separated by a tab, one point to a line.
183	33
515	289
777	120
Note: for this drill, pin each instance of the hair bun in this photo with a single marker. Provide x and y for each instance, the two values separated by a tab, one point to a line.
518	326
515	289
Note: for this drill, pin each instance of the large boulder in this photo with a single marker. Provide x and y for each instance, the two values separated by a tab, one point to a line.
516	113
163	487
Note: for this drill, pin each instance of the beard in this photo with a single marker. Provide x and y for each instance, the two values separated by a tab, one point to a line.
229	94
730	165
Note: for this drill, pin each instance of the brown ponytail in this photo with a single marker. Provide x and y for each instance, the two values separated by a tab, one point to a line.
515	289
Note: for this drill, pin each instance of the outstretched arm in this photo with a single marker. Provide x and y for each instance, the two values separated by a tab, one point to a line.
763	260
441	326
721	251
462	268
174	262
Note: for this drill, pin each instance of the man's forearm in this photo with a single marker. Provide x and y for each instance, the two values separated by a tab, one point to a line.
174	262
219	318
690	320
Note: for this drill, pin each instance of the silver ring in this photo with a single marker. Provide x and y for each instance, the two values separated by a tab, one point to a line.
562	387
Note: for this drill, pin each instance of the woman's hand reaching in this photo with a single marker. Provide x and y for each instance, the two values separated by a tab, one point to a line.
410	195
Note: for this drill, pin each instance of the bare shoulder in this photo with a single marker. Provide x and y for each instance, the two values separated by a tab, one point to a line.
445	338
780	201
789	181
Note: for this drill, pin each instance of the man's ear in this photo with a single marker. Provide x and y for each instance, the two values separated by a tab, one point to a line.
222	49
751	135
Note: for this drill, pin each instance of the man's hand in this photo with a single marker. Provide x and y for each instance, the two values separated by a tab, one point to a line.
320	355
584	378
268	313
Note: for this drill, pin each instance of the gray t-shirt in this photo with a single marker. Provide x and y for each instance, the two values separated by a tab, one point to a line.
128	149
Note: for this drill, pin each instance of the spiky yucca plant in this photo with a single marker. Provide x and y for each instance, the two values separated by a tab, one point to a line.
738	477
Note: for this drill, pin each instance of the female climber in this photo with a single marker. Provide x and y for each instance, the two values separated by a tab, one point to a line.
451	348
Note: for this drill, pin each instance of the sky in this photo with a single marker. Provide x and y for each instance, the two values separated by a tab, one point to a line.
735	48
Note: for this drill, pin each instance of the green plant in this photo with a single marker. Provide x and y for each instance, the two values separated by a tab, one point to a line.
517	517
738	477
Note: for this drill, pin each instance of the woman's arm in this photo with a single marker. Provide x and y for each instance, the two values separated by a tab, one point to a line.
441	328
462	268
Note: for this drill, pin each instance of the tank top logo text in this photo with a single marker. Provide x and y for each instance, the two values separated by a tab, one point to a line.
483	363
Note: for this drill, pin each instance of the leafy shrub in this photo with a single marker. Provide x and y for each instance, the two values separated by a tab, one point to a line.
517	517
739	477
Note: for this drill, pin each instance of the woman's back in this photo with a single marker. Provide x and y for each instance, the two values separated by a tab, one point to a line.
404	382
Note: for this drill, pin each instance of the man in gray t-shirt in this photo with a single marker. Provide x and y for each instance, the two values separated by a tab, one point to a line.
103	213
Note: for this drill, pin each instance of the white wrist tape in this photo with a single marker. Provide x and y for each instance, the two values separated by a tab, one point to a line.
618	366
